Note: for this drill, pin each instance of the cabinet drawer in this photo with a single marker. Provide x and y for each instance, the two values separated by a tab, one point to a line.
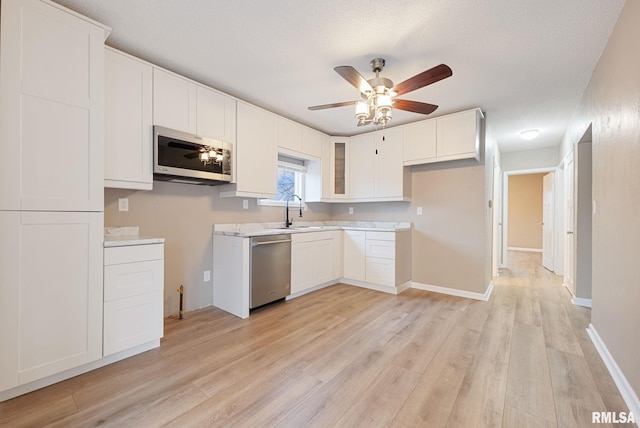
381	249
382	236
312	236
381	271
133	253
132	321
133	279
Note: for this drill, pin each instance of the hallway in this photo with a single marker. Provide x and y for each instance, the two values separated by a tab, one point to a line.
553	362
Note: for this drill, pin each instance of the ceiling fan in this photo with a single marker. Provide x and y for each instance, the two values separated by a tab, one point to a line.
378	94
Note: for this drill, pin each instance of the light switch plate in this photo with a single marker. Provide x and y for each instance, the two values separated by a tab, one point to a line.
419	211
207	275
350	210
245	204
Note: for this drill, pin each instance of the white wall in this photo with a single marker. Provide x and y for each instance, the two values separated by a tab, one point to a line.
530	159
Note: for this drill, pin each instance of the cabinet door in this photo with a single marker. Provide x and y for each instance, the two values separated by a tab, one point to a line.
458	135
52	110
420	142
54	265
132	321
289	135
381	271
216	115
354	255
174	102
322	261
335	169
128	122
362	159
389	169
301	266
256	152
312	142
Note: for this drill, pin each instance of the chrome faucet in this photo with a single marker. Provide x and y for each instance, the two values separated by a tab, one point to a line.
288	222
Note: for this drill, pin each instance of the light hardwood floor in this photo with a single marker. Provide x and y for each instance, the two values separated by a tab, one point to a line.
350	357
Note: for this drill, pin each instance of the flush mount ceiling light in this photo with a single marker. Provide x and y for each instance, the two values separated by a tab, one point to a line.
529	134
378	94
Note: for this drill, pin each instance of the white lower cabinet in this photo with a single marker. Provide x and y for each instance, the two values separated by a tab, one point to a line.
354	254
312	259
51	293
378	258
133	296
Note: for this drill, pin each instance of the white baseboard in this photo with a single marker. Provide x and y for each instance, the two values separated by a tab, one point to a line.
531	250
625	389
455	291
385	289
68	374
579	301
312	289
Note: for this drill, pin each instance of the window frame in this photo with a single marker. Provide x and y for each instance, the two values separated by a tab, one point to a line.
300	171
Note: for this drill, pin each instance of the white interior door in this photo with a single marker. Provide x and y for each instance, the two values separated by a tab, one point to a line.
547	221
498	260
569	254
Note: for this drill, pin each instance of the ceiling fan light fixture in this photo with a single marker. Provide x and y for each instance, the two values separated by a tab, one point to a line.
529	134
362	110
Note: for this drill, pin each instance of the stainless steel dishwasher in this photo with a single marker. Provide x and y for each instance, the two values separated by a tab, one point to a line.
270	269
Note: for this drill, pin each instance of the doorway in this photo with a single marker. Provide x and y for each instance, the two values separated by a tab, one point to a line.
523	227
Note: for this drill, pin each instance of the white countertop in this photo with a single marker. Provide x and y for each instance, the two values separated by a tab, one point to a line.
124	236
257	229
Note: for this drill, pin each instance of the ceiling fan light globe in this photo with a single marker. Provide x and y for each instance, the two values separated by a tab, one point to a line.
362	109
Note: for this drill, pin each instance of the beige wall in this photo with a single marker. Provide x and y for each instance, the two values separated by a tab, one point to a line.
448	242
525	211
611	103
183	214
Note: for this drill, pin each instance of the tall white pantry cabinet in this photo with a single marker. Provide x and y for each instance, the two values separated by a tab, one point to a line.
51	190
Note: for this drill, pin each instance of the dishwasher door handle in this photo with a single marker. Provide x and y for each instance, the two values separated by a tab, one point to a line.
255	244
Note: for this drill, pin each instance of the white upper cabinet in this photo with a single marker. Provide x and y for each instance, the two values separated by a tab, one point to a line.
51	109
335	160
312	142
256	154
450	137
420	142
376	169
181	104
289	135
392	179
459	135
174	101
216	115
297	140
128	122
362	159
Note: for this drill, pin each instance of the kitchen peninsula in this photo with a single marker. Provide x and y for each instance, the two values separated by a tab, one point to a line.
374	255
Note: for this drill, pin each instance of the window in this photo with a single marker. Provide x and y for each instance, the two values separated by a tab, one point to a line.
290	182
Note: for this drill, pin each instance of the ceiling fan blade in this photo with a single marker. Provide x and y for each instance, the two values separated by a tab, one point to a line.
423	79
324	106
352	76
414	106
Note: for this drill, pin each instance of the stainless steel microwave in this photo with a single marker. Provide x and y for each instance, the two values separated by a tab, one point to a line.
186	158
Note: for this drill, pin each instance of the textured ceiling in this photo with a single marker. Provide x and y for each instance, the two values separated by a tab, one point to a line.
524	63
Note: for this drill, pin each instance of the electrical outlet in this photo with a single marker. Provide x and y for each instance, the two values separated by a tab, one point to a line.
419	211
350	210
207	275
245	204
123	204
